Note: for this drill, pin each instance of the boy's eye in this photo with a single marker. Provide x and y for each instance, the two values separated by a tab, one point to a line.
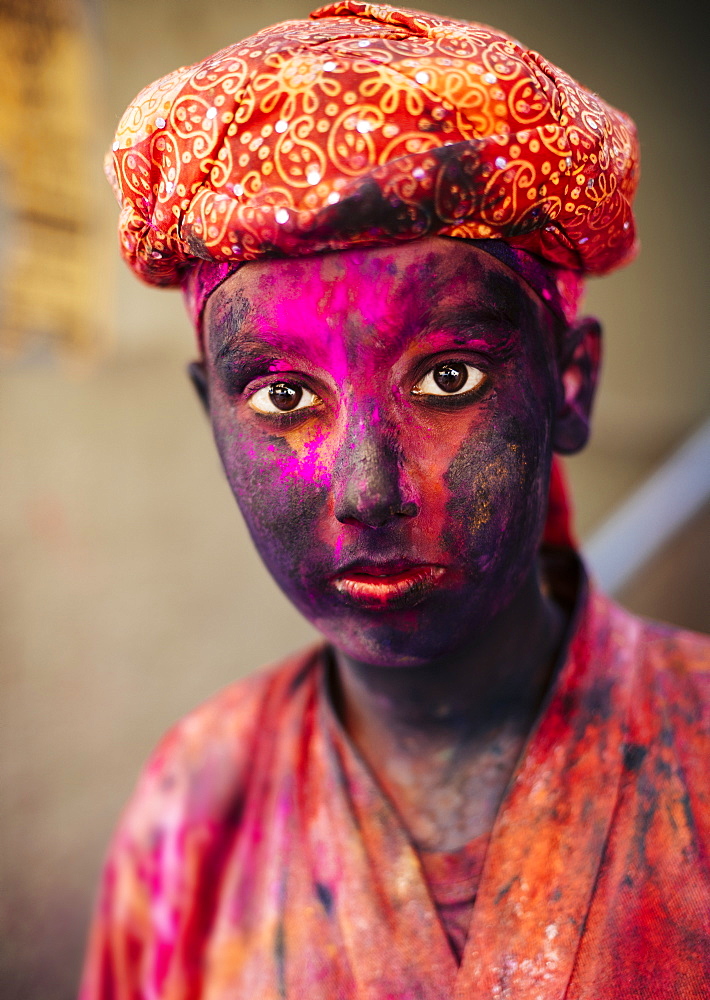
282	397
448	379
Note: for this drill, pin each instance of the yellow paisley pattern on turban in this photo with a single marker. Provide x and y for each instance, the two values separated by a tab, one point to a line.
370	124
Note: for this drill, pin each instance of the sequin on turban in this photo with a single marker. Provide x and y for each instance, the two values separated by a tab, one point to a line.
370	125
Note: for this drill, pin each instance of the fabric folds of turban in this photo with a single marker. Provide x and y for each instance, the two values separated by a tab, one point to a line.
367	125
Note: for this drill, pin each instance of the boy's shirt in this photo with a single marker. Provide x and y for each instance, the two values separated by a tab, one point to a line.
259	858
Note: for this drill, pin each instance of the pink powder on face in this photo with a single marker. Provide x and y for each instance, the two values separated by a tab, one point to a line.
361	326
560	288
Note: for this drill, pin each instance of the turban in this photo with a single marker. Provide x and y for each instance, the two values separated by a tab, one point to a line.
369	125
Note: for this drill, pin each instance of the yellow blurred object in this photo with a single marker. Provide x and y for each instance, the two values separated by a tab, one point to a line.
50	241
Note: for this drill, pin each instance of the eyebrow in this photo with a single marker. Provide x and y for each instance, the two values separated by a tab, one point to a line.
495	330
475	317
235	349
234	335
245	348
237	361
243	353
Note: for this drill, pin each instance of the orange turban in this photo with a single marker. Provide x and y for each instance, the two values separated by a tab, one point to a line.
367	125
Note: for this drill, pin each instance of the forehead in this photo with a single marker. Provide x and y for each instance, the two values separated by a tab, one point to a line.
392	292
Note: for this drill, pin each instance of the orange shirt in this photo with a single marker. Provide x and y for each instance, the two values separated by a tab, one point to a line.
453	877
259	859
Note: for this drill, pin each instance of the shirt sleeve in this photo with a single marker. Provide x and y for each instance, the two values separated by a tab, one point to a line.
162	873
147	930
120	936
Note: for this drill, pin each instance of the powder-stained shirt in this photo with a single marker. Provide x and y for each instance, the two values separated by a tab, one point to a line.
259	858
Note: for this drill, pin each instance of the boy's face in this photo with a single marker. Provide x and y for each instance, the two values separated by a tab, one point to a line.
386	420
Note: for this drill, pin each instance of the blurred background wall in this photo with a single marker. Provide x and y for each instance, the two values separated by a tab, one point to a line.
129	590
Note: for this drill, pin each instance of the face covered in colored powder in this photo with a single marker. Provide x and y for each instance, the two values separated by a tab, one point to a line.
386	419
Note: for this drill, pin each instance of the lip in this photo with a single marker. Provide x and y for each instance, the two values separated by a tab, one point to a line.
387	586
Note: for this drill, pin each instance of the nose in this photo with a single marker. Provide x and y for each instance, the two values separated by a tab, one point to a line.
371	486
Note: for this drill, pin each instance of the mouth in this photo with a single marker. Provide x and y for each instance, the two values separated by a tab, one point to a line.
388	586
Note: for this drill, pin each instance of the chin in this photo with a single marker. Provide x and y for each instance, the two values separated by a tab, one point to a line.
436	627
405	640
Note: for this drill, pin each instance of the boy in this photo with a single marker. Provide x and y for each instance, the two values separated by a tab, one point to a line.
489	781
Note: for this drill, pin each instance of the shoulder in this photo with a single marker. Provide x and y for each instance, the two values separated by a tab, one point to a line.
670	692
674	657
676	669
164	862
663	649
665	671
199	770
676	651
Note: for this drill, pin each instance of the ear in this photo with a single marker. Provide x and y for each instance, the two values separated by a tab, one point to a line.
579	372
198	376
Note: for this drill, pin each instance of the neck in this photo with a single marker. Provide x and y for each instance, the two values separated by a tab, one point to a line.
494	683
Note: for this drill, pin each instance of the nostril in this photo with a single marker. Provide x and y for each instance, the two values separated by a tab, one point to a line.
375	516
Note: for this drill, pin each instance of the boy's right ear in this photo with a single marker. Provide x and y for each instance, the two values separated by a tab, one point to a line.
198	376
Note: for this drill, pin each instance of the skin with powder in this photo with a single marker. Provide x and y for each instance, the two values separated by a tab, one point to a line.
386	419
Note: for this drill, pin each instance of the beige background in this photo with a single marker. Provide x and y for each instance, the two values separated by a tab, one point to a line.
129	590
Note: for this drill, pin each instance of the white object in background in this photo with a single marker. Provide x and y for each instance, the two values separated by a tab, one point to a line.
652	514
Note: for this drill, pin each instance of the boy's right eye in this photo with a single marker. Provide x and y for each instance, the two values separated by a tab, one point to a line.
282	397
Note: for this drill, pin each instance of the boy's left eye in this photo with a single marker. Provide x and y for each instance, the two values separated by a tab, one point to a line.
282	397
449	378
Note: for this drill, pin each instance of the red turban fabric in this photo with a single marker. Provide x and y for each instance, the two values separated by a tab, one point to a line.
368	125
